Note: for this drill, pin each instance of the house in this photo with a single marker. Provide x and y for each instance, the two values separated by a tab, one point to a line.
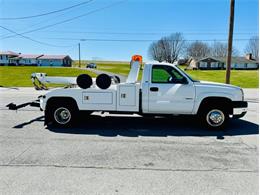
9	58
205	63
5	57
55	60
218	63
25	60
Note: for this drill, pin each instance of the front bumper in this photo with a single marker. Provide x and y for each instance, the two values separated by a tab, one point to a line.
239	108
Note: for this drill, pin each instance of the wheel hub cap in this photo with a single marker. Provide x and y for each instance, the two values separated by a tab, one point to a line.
62	115
215	117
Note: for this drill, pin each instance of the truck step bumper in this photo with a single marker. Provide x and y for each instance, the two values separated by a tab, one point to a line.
239	109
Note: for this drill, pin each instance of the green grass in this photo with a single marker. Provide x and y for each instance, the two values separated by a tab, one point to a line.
242	78
116	67
20	76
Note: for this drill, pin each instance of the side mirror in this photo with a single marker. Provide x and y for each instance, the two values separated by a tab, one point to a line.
184	81
178	81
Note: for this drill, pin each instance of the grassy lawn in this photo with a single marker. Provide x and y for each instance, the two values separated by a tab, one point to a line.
11	76
116	67
242	78
20	76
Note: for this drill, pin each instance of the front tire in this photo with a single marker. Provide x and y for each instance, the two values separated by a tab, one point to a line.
214	117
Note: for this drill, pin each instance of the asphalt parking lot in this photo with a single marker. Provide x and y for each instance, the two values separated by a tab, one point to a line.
109	154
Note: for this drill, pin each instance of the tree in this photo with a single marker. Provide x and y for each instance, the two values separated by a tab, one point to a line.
198	49
219	49
253	47
155	52
167	48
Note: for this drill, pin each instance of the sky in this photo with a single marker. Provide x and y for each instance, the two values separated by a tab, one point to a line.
118	29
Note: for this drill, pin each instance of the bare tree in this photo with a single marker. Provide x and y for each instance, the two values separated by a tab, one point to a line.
219	49
155	52
198	49
253	47
167	48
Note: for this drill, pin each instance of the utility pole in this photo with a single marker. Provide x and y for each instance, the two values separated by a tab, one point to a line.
230	40
79	56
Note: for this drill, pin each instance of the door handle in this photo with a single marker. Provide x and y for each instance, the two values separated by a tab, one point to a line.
154	89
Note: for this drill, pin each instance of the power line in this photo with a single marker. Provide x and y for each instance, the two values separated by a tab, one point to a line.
40	22
47	13
70	19
29	38
133	40
147	33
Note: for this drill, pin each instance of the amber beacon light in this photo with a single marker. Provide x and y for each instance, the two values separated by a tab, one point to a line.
137	58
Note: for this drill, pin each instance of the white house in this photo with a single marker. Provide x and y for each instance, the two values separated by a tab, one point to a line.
29	59
213	63
25	60
5	57
16	59
55	60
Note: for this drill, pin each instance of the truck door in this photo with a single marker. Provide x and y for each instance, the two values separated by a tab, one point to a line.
169	91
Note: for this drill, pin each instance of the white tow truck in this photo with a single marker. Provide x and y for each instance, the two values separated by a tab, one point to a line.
164	89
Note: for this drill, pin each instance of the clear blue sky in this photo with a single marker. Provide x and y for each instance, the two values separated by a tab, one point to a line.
132	19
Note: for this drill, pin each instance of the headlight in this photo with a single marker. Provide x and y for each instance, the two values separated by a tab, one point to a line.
242	94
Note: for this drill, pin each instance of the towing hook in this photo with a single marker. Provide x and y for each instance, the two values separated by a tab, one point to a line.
13	106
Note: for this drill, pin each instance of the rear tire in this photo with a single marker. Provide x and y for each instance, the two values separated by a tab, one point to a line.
214	117
61	115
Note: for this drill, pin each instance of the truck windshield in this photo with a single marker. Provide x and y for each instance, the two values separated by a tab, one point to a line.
193	80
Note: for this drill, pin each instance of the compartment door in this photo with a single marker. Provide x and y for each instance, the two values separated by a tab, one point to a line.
127	96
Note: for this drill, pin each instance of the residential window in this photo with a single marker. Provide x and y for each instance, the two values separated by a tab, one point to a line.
203	64
214	64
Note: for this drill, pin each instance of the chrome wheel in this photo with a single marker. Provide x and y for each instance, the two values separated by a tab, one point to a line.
62	115
215	118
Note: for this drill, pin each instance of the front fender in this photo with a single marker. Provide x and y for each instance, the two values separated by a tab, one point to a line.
200	97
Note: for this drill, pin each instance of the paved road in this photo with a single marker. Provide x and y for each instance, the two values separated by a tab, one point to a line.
126	154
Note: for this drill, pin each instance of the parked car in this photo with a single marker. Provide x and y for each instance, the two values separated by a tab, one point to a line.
91	65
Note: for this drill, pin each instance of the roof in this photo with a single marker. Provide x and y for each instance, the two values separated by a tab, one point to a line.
33	56
10	53
237	60
54	57
30	56
160	63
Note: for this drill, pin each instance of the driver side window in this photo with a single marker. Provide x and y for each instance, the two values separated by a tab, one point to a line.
165	74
